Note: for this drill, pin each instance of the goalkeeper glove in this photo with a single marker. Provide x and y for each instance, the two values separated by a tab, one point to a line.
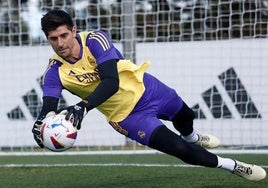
36	130
76	113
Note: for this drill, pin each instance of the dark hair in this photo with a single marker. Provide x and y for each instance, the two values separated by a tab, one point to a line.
55	18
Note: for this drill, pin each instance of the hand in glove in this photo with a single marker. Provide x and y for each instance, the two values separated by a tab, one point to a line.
77	113
37	132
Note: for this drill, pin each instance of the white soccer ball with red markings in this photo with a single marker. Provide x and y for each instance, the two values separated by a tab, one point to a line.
57	133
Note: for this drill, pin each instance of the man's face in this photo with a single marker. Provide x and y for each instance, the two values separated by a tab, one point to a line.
62	41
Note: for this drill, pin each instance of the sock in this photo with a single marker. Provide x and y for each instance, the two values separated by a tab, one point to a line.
226	163
191	138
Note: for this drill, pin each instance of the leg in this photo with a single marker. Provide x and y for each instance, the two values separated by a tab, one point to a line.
164	140
170	143
183	122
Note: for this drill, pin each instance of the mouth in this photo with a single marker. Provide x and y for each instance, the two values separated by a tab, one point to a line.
62	50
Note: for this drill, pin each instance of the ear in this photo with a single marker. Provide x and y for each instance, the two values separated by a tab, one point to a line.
74	31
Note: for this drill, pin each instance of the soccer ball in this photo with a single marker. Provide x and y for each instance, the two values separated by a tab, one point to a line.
57	133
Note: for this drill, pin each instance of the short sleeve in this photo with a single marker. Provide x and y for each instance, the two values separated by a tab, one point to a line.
51	84
101	47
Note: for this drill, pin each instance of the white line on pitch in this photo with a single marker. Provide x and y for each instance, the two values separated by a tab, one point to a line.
94	164
100	165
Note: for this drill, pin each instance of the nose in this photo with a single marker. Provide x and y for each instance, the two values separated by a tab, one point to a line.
60	42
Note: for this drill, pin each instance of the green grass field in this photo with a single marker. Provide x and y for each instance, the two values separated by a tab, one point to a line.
120	171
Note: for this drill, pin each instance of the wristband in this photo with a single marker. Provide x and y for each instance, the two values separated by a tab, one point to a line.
87	105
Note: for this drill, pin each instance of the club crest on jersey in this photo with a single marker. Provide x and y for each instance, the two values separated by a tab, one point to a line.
141	134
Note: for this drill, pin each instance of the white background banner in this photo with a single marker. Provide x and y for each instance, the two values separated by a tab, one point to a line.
189	67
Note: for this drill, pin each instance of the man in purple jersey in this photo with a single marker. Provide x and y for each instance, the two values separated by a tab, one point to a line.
89	66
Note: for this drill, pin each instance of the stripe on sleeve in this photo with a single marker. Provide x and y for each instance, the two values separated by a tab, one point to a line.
102	40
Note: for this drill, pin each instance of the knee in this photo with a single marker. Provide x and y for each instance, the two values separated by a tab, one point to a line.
183	120
185	114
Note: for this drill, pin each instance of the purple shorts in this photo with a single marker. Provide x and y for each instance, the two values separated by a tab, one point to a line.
158	102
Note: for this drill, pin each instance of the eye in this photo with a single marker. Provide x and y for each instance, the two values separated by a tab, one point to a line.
65	35
53	39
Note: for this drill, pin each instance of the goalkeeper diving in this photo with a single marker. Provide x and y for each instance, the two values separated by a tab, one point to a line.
134	102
